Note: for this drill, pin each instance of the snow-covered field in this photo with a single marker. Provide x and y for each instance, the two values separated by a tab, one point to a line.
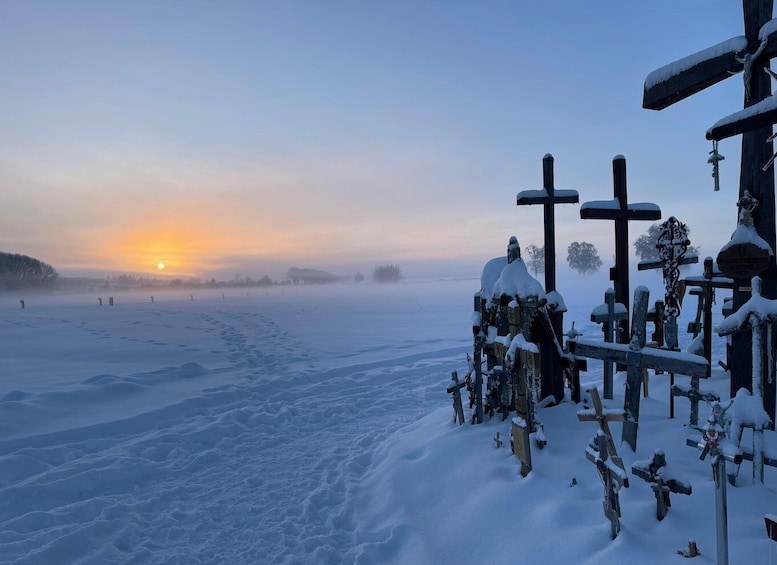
311	425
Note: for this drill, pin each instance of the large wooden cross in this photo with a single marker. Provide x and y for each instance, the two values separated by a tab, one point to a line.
638	357
749	54
621	212
548	197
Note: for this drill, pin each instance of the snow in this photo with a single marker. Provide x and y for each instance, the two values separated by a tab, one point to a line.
766	105
602	310
311	425
490	274
733	46
543	193
615	204
767	29
744	234
516	281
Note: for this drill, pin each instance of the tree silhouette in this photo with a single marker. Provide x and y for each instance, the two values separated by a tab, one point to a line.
387	273
535	258
20	271
645	245
583	257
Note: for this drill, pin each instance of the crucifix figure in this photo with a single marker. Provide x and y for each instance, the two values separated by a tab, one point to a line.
621	212
549	197
637	357
686	77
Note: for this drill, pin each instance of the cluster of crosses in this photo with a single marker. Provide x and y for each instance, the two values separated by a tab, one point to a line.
521	362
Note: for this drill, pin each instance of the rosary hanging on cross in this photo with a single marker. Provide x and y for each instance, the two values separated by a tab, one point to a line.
715	158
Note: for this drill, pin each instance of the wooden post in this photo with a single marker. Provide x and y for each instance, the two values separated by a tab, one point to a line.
620	211
22	303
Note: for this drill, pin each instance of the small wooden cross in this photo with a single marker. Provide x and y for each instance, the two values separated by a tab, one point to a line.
613	478
621	212
455	389
609	315
656	473
707	283
598	414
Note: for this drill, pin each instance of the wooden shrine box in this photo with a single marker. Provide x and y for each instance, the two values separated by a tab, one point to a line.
743	260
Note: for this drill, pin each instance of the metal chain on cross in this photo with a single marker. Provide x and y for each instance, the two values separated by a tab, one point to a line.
672	246
715	158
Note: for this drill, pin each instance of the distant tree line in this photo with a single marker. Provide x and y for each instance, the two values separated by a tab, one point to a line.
310	276
23	272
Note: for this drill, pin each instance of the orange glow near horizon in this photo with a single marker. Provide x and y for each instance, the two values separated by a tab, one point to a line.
177	252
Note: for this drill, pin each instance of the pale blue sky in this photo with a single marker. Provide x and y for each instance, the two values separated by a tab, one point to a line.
226	137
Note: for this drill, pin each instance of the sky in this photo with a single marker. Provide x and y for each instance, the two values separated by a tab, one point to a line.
251	137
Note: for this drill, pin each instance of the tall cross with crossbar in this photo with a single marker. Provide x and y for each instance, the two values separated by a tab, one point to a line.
750	54
621	211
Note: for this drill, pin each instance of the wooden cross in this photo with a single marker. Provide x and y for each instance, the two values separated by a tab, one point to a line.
548	197
637	357
705	285
750	54
621	212
455	389
609	314
656	473
603	454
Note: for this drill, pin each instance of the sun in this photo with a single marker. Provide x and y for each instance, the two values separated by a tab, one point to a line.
160	266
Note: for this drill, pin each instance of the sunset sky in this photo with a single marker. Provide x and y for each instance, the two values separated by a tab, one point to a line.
250	137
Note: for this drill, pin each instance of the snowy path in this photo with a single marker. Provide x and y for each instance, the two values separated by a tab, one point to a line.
252	455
